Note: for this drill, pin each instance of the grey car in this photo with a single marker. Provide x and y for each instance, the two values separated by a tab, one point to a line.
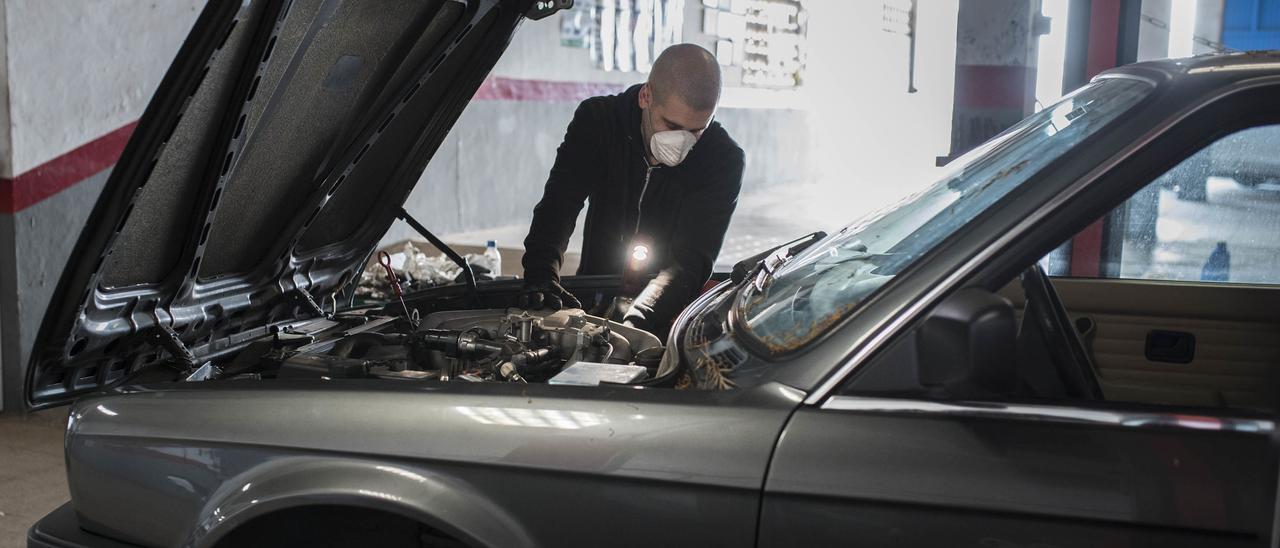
914	379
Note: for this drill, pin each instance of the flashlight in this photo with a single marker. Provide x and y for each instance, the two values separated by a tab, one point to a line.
640	253
640	257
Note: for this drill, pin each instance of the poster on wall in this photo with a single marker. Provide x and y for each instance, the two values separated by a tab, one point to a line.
575	28
623	35
766	38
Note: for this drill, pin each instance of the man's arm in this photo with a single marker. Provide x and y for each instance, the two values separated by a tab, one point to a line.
699	233
577	167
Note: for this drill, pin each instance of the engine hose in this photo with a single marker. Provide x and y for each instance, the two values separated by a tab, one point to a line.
521	363
456	344
530	359
619	349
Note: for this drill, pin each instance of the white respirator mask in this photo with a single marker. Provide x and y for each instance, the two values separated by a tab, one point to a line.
671	147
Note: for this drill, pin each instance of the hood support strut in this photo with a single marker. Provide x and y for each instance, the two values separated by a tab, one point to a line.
168	339
457	259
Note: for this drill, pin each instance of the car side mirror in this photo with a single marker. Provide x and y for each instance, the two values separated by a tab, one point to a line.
967	347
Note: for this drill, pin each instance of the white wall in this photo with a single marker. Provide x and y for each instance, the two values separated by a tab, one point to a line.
77	70
871	136
535	53
467	187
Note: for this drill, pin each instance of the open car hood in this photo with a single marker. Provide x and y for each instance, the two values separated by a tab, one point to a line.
274	155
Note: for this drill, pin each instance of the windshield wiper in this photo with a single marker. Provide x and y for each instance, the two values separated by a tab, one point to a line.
752	265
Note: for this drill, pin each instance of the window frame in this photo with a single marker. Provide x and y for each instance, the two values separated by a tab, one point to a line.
1106	260
1222	111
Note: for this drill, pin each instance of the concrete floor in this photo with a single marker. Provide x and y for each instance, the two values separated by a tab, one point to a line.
32	479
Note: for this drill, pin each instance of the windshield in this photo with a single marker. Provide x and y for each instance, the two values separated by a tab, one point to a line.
826	282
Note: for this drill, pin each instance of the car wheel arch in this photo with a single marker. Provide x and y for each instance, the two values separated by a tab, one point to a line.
439	501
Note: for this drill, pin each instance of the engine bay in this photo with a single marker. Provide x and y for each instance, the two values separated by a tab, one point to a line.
493	345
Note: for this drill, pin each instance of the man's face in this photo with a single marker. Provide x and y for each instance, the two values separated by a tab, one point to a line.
671	114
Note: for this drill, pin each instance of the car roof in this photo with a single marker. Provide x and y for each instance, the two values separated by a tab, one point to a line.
1212	69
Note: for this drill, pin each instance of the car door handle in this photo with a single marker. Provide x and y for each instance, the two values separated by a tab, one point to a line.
1170	346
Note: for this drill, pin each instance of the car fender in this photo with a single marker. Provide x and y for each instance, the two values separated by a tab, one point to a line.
443	502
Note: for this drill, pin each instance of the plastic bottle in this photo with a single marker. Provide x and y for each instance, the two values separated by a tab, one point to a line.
494	258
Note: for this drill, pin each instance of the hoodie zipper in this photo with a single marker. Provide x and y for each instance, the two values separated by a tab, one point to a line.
648	171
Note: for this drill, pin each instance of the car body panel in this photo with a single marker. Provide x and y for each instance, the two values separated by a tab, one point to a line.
549	465
1020	475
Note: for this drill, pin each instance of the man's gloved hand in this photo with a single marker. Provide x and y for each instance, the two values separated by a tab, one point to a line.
546	294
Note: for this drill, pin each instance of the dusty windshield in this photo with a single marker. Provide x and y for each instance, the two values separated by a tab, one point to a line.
826	282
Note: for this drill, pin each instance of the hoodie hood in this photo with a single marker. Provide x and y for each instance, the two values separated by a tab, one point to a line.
275	153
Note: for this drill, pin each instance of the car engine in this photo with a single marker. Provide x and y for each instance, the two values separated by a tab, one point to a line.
501	345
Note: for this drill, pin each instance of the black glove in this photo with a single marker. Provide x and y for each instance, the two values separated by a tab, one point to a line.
546	294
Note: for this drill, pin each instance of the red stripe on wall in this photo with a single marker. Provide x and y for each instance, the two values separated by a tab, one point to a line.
993	86
497	88
60	173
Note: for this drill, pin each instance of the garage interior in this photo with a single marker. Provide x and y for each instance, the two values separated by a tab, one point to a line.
863	103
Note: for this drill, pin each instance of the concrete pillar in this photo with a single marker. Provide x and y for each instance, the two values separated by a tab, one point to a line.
995	68
74	77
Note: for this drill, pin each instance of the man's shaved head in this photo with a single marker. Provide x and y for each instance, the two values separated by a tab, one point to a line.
688	72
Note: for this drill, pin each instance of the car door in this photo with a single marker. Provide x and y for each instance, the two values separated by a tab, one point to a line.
859	471
1180	294
1191	343
1168	457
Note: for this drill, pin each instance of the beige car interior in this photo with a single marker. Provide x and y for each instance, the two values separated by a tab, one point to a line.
1236	327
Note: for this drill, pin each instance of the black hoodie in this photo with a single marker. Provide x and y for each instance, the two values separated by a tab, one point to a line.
684	213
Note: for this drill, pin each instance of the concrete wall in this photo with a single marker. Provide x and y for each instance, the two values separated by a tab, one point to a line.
77	70
72	72
491	169
877	130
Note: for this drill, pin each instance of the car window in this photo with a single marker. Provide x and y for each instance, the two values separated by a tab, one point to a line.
1158	345
1214	217
826	282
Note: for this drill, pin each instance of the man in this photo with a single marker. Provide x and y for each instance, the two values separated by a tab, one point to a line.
657	169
